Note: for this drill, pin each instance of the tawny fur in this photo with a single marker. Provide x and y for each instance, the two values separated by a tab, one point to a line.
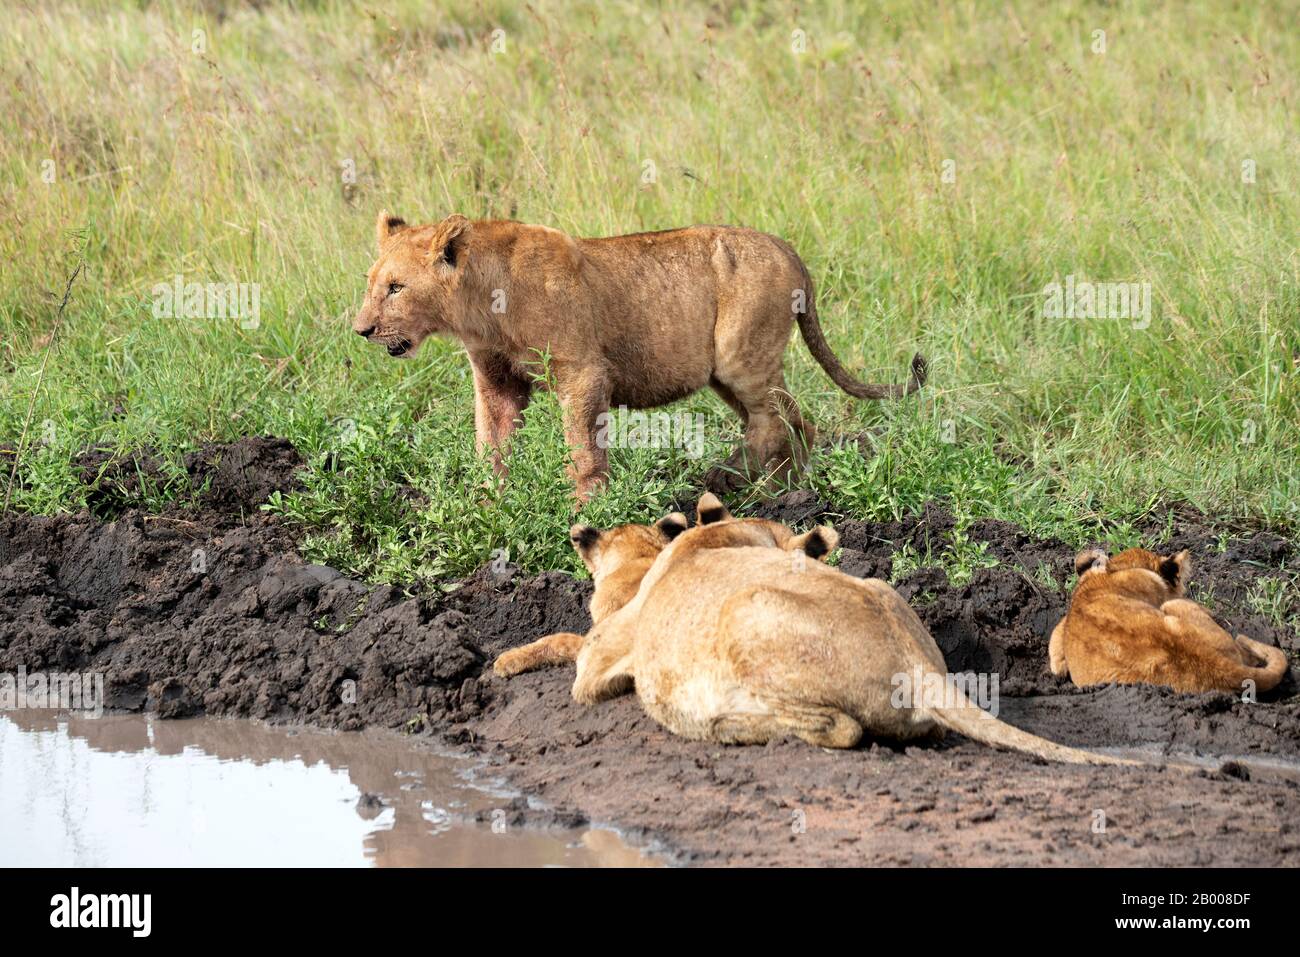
1128	622
636	321
619	558
735	636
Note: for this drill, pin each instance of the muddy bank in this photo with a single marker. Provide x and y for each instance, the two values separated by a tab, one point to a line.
225	483
210	611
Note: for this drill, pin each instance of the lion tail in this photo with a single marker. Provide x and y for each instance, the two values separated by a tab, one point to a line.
978	725
811	330
1269	675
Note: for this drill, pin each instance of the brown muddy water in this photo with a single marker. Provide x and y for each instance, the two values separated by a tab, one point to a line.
132	790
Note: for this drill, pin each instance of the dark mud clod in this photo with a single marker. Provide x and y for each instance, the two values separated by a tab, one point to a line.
1234	769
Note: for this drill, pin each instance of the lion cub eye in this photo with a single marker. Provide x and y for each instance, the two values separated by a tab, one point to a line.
394	288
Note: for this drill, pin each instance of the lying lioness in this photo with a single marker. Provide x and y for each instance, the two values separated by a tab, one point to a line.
1129	623
635	321
620	557
731	637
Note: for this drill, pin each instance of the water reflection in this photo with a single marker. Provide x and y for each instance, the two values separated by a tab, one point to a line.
130	790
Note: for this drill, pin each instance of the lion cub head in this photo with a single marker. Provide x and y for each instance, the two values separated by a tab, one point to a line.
717	528
1157	578
618	558
412	289
606	550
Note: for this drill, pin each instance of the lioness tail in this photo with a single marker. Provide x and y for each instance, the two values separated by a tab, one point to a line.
979	725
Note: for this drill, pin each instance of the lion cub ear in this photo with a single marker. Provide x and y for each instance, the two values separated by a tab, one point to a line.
818	543
386	225
672	525
583	538
1089	559
1175	569
710	509
449	239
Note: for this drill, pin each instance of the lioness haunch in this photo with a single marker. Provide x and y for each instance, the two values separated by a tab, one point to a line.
635	321
732	636
1128	622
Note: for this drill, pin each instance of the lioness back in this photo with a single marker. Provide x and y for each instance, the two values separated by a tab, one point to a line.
763	630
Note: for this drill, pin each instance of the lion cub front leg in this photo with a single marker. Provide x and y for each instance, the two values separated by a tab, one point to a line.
500	397
604	665
558	649
584	394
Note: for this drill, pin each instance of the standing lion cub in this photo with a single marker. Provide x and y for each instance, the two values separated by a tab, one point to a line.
1129	622
635	321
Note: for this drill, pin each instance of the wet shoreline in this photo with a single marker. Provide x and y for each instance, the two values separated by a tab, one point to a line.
132	790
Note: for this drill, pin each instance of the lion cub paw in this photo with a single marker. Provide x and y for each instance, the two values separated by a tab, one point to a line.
513	662
558	649
725	478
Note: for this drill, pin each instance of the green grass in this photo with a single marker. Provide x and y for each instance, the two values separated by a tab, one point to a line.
226	165
1275	598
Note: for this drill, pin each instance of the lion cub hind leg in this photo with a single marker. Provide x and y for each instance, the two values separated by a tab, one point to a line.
1198	633
558	649
1210	659
743	728
781	658
822	725
1056	651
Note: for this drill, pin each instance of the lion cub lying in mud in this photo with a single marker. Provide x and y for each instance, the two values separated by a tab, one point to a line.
636	321
1129	622
732	636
